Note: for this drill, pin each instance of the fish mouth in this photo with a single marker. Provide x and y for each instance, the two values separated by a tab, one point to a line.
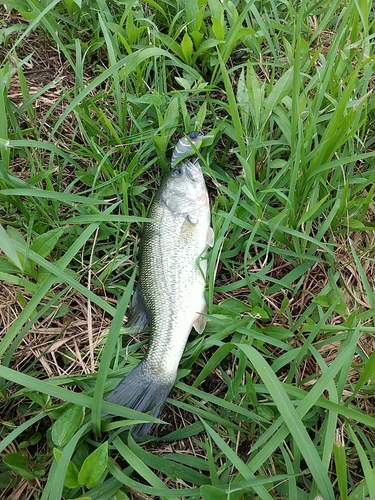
193	170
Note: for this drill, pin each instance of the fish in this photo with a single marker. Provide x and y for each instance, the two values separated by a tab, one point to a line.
186	146
169	295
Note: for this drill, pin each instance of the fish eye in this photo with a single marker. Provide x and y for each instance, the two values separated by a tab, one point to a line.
193	135
177	172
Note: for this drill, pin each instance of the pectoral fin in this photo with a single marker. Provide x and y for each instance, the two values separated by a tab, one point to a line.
193	219
139	316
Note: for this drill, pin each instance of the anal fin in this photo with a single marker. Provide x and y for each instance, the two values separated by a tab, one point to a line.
200	322
210	237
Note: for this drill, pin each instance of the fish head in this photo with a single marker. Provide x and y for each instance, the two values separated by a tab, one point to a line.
187	146
195	137
184	189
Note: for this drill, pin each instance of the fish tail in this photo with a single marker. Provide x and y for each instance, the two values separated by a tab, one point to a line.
142	390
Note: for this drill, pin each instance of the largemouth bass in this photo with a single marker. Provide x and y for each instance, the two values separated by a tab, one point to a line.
170	291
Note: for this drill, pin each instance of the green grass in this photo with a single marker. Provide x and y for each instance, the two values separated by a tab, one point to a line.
275	399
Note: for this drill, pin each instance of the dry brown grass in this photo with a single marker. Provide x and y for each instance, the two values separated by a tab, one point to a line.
58	345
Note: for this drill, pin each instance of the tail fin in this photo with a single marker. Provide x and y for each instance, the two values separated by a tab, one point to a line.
141	390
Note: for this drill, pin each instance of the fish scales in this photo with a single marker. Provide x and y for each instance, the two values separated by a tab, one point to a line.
170	290
172	283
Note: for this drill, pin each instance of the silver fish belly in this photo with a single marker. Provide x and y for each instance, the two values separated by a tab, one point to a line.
170	291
